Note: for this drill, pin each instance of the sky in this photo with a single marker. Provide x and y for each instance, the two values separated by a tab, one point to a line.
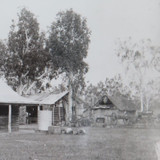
108	21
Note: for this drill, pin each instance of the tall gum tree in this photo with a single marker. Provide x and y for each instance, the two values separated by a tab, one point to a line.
28	61
68	44
141	68
3	57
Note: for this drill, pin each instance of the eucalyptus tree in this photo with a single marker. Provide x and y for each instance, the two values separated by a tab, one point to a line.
3	57
68	44
140	69
28	61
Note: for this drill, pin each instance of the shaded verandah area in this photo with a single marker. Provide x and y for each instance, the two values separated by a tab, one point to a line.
10	102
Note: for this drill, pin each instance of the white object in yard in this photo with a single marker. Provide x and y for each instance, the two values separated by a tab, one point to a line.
44	120
69	131
157	147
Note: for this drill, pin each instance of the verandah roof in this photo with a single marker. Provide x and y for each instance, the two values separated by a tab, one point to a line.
9	96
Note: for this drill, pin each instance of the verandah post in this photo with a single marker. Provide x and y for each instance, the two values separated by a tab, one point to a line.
9	118
38	108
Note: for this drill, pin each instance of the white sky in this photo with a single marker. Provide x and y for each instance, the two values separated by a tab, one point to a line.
107	19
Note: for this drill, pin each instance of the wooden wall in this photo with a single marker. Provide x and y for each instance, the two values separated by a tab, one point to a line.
59	112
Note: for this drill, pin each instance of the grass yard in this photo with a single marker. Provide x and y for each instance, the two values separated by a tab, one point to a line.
97	144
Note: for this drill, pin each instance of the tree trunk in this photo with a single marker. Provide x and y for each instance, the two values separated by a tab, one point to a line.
147	104
142	103
19	89
70	103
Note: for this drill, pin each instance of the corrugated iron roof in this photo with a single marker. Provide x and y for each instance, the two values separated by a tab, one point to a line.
53	98
9	96
48	98
122	102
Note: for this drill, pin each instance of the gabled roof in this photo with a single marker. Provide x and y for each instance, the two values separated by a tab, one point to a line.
9	96
119	101
49	98
103	103
122	102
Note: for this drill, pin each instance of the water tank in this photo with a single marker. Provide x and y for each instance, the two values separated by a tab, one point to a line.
44	120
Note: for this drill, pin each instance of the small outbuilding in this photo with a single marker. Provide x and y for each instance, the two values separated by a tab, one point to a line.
55	102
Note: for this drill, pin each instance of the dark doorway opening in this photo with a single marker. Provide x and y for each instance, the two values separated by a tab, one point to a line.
31	114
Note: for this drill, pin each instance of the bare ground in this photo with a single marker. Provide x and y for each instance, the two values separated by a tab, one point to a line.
97	144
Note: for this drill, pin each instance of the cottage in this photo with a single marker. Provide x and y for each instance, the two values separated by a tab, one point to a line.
111	108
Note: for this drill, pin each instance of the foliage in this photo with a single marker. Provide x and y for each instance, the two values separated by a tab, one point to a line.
27	61
140	69
3	57
94	92
110	87
116	85
68	43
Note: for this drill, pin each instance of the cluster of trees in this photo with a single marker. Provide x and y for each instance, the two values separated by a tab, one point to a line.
110	87
140	79
29	59
141	70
